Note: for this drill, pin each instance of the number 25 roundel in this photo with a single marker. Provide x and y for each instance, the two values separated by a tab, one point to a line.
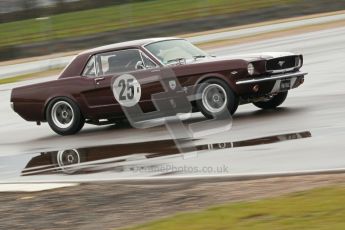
127	90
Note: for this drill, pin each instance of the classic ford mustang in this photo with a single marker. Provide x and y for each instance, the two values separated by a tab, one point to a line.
84	90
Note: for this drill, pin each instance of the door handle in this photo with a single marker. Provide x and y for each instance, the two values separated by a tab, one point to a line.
98	79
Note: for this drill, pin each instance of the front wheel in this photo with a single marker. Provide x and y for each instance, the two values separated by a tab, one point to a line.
216	98
273	102
64	116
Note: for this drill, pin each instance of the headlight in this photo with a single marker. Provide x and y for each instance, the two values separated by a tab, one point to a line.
251	69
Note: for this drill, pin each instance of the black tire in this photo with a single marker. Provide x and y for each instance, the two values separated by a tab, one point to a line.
230	105
74	117
274	102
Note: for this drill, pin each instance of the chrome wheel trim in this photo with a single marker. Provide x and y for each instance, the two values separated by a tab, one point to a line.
62	114
214	98
67	158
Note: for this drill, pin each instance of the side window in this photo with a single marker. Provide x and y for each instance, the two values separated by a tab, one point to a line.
90	70
148	63
118	61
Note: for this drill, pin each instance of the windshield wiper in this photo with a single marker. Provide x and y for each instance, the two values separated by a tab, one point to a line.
198	56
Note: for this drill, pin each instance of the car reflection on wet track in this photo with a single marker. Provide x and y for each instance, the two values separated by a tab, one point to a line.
112	157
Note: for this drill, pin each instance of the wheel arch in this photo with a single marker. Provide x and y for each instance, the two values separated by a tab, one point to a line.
217	76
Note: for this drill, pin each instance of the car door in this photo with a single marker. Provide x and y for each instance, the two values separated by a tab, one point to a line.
113	64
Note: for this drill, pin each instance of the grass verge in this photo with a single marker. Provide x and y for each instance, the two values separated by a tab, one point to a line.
315	209
123	16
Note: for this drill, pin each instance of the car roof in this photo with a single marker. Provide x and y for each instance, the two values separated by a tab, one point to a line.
78	63
134	43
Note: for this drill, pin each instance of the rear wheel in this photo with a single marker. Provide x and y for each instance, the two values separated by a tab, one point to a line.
64	116
273	102
216	98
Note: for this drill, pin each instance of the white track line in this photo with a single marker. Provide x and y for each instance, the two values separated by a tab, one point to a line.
33	187
227	177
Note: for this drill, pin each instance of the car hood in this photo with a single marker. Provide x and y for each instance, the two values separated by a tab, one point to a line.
245	57
258	56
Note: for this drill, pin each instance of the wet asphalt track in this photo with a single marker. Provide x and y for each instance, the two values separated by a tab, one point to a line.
317	107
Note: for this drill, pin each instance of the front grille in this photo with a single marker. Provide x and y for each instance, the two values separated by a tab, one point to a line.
282	63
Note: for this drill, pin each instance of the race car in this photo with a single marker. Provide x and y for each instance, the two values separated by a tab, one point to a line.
100	84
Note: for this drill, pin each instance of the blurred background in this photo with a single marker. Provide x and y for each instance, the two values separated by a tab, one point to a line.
39	27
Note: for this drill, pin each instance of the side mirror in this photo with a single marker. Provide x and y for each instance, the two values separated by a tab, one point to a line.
139	65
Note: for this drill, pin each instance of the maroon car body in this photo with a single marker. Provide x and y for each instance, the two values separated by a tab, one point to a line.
252	79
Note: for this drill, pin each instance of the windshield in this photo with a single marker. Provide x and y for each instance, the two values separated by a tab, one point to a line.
171	51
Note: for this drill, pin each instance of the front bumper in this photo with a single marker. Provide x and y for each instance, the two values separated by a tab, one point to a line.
271	78
269	84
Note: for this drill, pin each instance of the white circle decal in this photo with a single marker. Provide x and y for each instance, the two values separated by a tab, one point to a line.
127	90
